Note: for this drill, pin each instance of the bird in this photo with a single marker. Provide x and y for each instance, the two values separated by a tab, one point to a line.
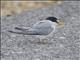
42	29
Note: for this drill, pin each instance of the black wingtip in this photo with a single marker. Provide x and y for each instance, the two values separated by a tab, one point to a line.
15	32
10	31
17	28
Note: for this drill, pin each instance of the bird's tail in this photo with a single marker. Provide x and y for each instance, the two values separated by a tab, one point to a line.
21	32
23	29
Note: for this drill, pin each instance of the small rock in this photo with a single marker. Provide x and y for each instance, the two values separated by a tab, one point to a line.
62	37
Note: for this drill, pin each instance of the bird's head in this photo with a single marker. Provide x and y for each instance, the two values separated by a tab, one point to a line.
59	22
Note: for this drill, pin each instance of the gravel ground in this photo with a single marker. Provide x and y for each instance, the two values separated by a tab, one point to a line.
64	45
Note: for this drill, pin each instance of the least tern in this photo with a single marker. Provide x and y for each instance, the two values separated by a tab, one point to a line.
42	28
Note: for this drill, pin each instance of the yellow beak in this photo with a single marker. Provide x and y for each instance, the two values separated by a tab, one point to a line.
61	24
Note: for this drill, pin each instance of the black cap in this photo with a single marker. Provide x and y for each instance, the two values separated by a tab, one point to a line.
53	19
